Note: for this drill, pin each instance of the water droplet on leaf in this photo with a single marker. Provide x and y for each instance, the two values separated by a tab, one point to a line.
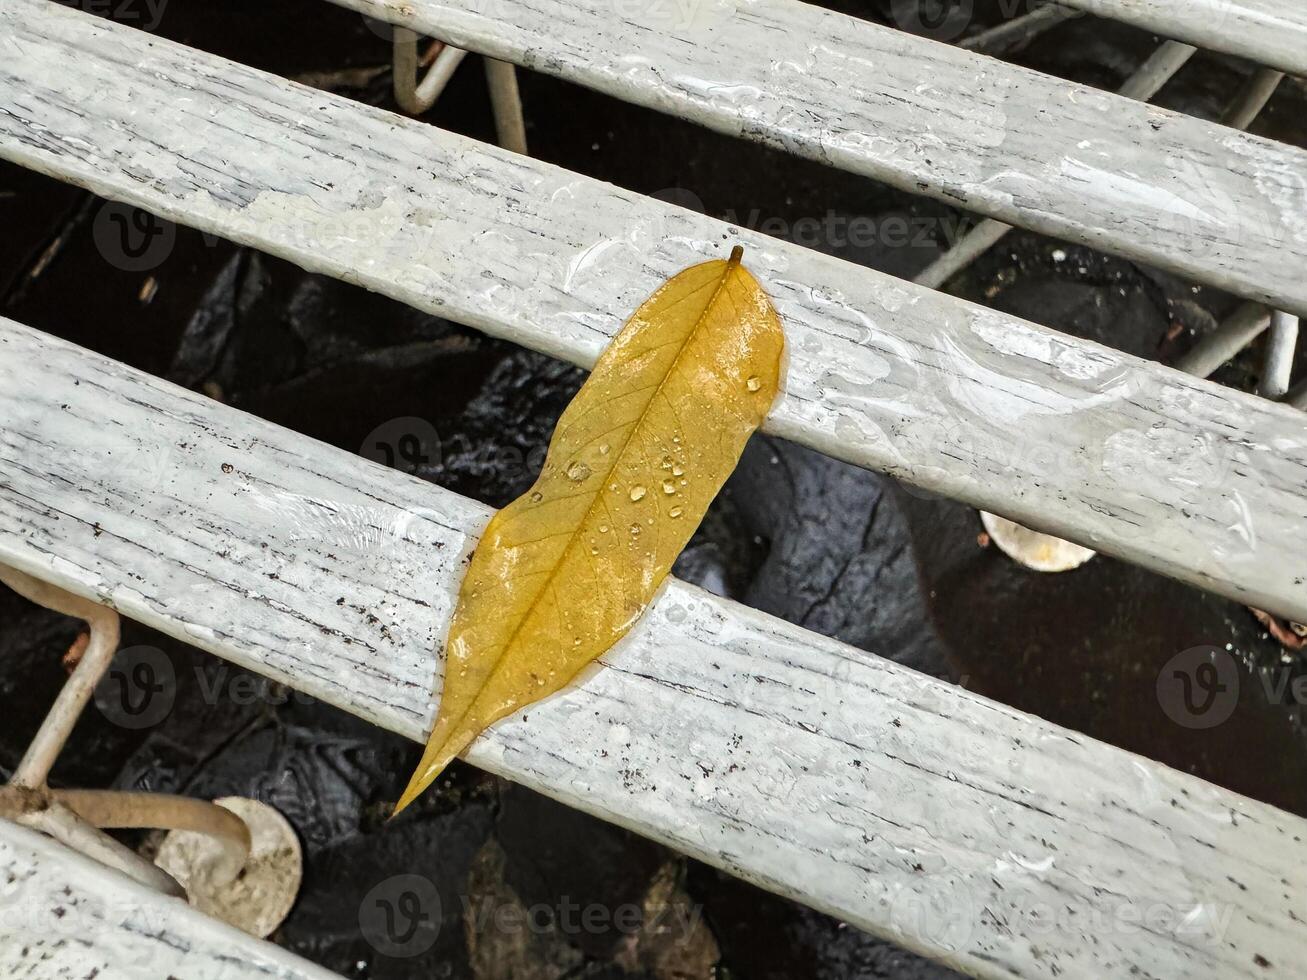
743	339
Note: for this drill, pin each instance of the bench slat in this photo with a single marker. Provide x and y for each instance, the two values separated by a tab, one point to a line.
953	825
1190	479
1269	32
1179	193
65	917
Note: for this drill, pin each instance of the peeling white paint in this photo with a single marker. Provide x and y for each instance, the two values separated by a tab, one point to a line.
1002	414
65	917
823	773
937	120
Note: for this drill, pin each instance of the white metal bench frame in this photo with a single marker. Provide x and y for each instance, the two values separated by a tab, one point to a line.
860	787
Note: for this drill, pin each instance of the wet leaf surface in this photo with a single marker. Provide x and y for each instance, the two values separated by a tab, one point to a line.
564	571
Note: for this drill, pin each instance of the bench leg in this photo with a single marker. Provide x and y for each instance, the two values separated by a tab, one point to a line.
77	818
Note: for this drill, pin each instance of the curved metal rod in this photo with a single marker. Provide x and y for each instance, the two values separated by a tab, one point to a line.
74	817
34	768
162	811
65	826
415	98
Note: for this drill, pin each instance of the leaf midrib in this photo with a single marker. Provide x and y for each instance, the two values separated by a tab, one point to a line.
732	265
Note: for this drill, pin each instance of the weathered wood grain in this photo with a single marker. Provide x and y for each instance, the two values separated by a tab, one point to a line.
958	827
1034	151
65	917
1268	32
1115	453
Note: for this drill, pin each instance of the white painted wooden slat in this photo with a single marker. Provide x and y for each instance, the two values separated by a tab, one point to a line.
1121	455
1034	151
1268	32
956	826
65	917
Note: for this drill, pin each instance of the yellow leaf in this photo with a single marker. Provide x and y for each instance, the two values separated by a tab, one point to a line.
564	571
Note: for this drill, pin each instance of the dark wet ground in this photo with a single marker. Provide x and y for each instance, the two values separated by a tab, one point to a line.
825	545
